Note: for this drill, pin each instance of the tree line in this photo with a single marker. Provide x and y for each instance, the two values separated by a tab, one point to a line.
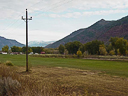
22	49
30	49
116	46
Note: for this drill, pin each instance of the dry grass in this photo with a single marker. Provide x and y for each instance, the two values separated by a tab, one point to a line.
57	81
9	63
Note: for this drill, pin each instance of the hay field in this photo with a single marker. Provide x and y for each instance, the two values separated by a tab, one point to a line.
65	77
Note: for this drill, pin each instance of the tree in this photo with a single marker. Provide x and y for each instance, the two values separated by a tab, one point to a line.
5	48
76	46
82	48
112	52
121	44
69	47
79	53
73	47
102	50
93	47
109	47
113	43
61	49
37	49
65	52
29	50
127	52
24	49
16	49
47	50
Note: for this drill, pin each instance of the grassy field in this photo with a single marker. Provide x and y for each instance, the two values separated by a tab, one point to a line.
119	68
66	76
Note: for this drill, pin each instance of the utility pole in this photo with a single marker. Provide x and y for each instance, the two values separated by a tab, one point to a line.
26	20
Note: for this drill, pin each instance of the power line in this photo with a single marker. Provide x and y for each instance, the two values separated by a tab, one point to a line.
11	24
54	6
16	27
14	22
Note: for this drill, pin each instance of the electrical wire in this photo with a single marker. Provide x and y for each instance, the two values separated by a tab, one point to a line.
14	22
54	6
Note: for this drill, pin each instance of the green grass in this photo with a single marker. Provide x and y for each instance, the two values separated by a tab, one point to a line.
119	68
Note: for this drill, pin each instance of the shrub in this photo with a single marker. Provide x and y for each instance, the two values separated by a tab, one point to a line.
9	63
127	52
79	53
65	52
9	86
102	50
112	52
85	53
74	56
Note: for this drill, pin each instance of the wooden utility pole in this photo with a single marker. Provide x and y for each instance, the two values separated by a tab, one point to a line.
26	19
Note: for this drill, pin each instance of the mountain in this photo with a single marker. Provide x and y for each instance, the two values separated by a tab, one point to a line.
39	43
9	42
102	30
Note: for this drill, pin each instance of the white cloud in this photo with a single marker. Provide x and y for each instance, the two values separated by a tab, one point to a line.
39	35
86	13
88	4
54	15
15	8
33	35
67	15
108	12
17	34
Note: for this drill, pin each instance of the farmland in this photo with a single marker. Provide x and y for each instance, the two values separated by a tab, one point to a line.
68	75
119	68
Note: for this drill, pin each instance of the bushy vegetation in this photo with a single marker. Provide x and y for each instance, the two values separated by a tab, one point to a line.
58	55
61	49
120	44
23	49
5	48
73	47
8	86
9	63
112	52
102	50
16	49
79	53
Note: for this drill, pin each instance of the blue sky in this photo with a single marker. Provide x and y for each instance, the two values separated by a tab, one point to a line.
55	19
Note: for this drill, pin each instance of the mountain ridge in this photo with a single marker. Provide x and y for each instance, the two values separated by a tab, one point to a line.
39	43
10	42
101	30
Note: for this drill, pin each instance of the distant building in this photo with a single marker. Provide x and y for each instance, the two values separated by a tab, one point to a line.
30	53
36	53
3	53
42	53
14	53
